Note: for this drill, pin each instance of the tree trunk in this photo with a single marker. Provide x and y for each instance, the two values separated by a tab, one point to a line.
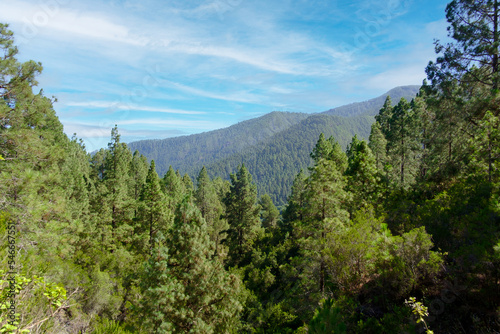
495	43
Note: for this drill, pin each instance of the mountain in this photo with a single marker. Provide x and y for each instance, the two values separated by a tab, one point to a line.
372	106
273	147
201	149
275	162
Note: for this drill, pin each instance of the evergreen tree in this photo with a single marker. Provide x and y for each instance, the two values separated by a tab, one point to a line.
296	201
269	213
30	131
153	213
486	149
205	196
77	181
157	287
447	151
424	117
186	289
188	183
242	214
337	155
173	188
325	210
363	178
322	150
378	145
117	180
404	144
384	117
474	25
211	208
138	173
78	189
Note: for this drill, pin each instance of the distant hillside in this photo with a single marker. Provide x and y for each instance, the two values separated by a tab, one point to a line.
202	149
273	147
275	163
372	106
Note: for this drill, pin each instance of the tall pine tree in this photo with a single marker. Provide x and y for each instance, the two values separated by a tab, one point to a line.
186	289
242	214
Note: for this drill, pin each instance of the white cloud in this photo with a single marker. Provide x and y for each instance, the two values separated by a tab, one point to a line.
105	125
95	131
125	106
273	50
236	97
400	76
53	15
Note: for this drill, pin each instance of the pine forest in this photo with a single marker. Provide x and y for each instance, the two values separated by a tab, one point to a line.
395	233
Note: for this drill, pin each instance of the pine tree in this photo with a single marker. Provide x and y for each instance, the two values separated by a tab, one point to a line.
486	150
384	117
325	210
210	207
153	214
76	178
424	117
29	128
157	287
404	144
117	180
322	150
78	189
296	201
33	148
186	289
363	178
269	213
474	25
242	214
449	132
173	188
138	172
188	184
337	155
378	145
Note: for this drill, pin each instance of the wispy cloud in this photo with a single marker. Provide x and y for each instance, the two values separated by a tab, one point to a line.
199	124
399	76
95	131
54	16
124	106
208	64
237	97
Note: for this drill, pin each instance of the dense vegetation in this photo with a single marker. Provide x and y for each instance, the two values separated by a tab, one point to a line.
274	147
397	234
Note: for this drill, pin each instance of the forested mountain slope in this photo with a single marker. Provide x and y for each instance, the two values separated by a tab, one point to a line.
273	147
275	162
205	148
372	106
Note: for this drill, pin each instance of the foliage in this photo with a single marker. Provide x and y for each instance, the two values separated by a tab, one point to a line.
99	243
327	319
37	303
242	214
420	311
185	288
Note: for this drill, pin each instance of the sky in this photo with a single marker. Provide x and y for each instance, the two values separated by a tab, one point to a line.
165	68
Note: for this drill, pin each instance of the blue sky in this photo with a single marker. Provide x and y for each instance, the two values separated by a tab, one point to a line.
167	68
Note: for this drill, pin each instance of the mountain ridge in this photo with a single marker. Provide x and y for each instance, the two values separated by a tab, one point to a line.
278	143
372	106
